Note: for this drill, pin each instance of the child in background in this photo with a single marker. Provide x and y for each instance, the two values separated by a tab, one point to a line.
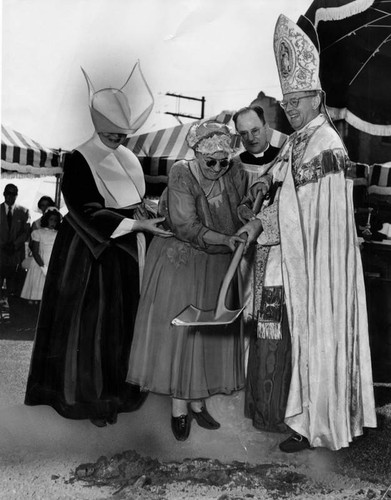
42	241
43	204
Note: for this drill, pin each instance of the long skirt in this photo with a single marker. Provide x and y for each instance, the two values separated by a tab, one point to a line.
184	362
84	332
34	283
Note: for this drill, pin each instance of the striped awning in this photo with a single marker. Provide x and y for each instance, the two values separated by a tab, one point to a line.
380	179
24	155
376	178
159	150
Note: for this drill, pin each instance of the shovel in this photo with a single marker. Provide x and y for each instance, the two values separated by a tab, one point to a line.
192	316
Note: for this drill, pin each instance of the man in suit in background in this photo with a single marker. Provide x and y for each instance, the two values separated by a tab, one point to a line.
14	233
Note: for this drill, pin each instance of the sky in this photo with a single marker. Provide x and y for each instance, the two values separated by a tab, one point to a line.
218	49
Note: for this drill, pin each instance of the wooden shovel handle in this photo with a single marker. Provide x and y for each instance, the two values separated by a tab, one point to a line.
258	202
220	308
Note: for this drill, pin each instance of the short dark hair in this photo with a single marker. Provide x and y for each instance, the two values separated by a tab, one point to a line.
49	212
48	199
11	187
253	107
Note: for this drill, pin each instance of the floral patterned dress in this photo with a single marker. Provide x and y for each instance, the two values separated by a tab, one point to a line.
189	362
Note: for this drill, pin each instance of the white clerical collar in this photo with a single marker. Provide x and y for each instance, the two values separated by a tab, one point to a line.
117	173
259	155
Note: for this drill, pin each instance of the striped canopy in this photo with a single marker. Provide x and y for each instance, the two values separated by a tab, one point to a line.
379	182
159	150
25	156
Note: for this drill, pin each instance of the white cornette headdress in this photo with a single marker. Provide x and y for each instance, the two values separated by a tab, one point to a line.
111	108
296	56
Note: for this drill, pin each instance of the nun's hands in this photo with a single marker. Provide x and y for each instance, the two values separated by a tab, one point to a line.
152	226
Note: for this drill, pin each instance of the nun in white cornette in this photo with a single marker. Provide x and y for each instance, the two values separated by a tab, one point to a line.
89	303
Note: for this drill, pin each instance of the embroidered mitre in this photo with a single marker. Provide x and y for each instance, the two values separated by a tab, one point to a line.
297	58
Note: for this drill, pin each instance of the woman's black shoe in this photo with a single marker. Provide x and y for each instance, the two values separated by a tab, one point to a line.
99	422
204	419
181	427
112	419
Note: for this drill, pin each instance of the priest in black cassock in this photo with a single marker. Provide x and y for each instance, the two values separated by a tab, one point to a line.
269	365
254	132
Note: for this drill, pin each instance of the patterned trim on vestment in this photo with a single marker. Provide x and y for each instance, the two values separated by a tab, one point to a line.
330	161
268	326
299	145
270	313
271	230
260	261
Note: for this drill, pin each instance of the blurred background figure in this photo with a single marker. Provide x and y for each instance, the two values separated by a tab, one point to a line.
42	241
43	204
14	232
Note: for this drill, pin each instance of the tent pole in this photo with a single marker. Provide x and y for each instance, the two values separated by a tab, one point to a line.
57	199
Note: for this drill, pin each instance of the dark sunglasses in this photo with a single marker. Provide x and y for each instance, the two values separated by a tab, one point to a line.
223	163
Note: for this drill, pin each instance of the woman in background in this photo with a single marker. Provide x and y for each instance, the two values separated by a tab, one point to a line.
43	204
42	241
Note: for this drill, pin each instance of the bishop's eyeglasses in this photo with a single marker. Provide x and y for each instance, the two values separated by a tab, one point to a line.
295	101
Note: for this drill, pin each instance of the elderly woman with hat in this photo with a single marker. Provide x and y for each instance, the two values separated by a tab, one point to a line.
91	293
191	363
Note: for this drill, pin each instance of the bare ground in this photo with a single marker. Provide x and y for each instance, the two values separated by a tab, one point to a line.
45	457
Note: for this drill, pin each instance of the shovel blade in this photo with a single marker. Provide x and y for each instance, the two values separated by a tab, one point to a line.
192	316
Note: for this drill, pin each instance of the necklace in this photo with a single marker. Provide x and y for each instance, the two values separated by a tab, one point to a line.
207	194
201	178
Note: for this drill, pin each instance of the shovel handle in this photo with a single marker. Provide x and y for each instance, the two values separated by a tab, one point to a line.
258	202
220	308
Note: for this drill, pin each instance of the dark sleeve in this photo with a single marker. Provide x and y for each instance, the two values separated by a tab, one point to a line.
83	200
87	212
24	233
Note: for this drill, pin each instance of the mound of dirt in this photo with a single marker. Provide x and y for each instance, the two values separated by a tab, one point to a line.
132	476
361	471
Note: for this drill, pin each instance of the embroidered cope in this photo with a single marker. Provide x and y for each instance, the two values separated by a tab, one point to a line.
318	264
